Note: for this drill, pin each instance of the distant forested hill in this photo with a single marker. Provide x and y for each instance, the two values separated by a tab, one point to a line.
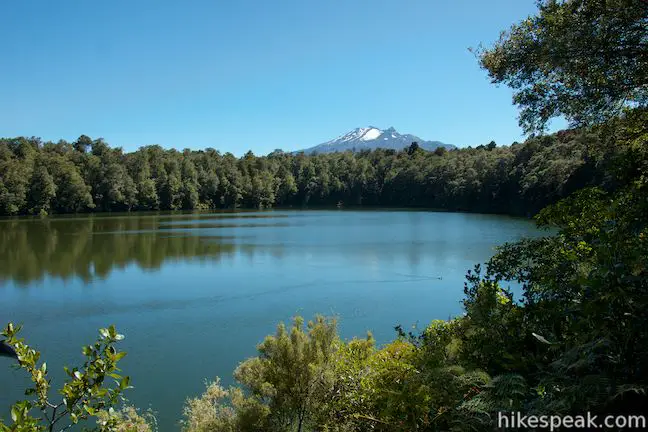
88	175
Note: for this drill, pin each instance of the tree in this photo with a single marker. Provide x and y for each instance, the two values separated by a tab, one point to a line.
139	169
115	189
585	60
209	187
14	184
72	194
85	394
577	341
42	190
440	151
412	148
170	193
147	198
286	385
293	367
312	380
286	185
82	144
189	189
224	410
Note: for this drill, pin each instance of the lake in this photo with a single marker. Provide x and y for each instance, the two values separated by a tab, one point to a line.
194	293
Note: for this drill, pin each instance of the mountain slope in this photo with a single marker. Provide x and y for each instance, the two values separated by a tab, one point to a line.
370	138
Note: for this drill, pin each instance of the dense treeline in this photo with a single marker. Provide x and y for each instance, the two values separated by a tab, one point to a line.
88	175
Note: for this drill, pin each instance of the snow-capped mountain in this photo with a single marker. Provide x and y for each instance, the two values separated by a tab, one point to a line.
370	138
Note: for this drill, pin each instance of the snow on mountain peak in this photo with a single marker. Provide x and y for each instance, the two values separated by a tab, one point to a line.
371	134
371	138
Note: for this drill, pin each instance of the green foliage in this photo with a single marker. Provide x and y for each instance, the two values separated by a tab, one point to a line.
582	59
85	394
127	419
222	410
518	179
309	379
72	193
42	190
413	148
493	327
286	385
578	337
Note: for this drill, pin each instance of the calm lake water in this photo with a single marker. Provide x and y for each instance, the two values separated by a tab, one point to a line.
194	293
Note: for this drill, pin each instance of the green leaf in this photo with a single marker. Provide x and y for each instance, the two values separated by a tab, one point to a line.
124	383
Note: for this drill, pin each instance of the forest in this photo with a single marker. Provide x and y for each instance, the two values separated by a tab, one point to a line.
89	176
575	343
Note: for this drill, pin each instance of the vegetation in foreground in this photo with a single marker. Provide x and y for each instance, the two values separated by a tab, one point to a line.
86	394
575	343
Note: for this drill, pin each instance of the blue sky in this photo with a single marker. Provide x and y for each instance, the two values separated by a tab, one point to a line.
240	74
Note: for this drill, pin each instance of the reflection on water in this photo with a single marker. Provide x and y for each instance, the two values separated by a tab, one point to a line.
194	293
92	247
